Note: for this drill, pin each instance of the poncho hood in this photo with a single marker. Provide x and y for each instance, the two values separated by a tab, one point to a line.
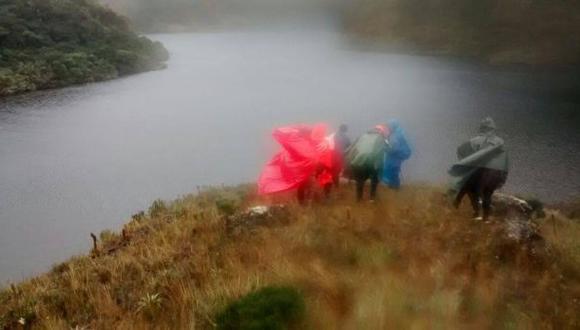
487	126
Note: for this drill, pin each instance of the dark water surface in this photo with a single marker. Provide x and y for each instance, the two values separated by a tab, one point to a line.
82	159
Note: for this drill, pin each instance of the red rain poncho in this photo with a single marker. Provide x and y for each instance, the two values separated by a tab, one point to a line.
306	152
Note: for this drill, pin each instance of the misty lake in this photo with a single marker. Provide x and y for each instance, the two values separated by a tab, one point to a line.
83	159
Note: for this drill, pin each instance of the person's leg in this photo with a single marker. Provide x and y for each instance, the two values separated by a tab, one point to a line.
358	176
395	182
491	181
486	202
459	197
374	175
474	199
471	189
336	179
360	183
327	189
301	194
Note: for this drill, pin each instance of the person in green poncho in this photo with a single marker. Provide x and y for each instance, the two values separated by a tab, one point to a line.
365	159
482	168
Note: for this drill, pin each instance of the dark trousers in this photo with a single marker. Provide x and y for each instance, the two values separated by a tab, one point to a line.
481	186
304	190
361	175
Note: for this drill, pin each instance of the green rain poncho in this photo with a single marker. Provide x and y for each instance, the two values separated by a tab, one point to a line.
367	152
486	150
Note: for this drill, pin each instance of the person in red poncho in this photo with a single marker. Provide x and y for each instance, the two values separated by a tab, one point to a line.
306	153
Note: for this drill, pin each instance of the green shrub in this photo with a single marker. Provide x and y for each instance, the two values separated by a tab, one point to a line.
267	308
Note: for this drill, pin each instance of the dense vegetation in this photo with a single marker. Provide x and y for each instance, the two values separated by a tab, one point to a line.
499	31
54	43
407	262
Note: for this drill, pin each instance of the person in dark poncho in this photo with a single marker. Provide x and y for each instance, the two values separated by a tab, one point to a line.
482	168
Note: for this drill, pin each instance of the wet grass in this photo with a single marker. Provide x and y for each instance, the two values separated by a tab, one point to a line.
408	261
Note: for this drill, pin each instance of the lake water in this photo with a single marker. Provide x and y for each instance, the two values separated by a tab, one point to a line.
83	159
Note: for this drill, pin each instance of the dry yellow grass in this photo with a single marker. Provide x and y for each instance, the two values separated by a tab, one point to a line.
407	262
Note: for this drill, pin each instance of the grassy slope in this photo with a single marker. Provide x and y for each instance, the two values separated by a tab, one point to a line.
407	262
498	31
55	43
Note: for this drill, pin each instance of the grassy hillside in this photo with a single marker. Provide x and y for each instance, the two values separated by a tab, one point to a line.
55	43
498	31
406	262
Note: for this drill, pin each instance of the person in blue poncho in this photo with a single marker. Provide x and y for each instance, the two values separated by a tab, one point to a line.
397	152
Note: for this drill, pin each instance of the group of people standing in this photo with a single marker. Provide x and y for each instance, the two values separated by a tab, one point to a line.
309	156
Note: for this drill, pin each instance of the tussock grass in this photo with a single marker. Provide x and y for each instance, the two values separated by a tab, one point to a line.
408	261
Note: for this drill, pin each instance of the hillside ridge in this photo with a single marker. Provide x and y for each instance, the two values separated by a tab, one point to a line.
406	261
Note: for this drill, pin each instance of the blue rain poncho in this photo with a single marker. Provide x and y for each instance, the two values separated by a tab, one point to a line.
397	152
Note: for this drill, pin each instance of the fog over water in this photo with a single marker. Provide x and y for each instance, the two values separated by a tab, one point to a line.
83	159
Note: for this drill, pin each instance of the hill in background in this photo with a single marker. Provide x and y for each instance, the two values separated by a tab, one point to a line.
191	15
498	31
55	43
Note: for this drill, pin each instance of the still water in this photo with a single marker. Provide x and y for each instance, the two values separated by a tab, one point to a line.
83	159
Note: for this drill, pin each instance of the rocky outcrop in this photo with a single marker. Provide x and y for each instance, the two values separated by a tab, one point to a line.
517	217
517	232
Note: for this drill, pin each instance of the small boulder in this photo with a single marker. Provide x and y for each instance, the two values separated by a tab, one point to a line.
509	206
517	215
518	232
257	216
